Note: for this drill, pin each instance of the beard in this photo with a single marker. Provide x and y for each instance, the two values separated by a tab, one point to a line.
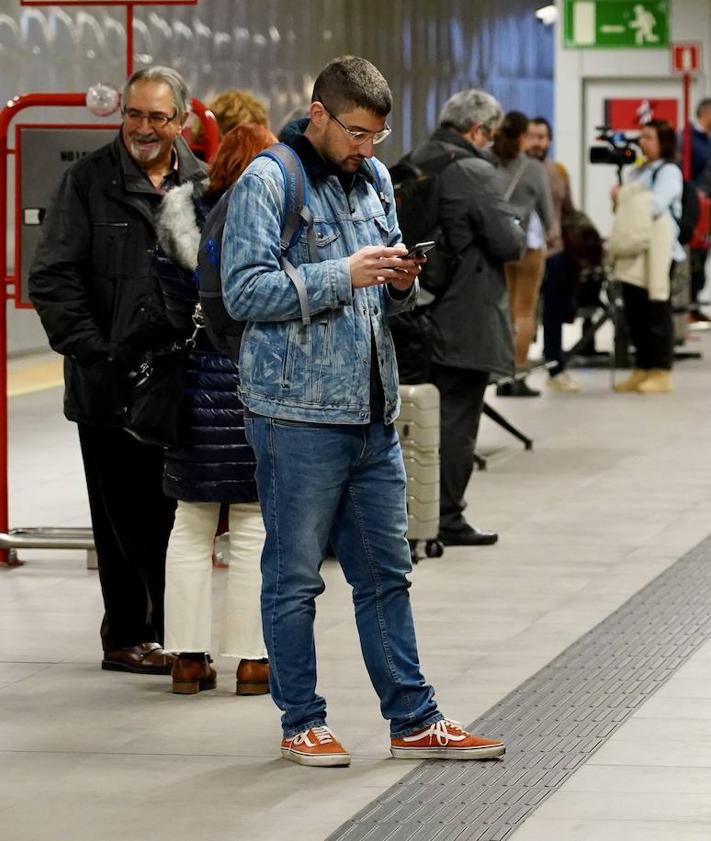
538	153
140	153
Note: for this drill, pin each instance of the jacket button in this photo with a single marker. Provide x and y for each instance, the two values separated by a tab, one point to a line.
376	311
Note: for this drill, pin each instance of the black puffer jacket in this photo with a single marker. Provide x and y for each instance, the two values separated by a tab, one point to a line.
94	277
214	462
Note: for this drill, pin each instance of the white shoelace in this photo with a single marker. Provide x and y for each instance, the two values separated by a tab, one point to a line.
439	731
323	735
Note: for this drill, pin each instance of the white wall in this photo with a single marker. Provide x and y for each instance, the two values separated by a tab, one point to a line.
620	71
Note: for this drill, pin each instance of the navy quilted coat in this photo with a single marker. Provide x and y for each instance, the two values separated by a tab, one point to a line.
214	462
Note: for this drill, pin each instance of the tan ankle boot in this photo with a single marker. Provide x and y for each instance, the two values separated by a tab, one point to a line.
253	677
659	381
193	676
632	383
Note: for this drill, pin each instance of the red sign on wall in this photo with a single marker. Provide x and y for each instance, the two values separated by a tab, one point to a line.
686	57
632	114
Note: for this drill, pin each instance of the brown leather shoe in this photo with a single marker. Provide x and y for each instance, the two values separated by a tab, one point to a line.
193	676
253	677
146	658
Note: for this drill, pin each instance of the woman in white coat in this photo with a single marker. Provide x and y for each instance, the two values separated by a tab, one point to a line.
649	311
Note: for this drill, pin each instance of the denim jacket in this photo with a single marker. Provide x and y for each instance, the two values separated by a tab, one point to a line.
317	372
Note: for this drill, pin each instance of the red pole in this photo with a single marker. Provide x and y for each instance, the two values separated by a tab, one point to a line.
129	39
4	490
686	153
13	107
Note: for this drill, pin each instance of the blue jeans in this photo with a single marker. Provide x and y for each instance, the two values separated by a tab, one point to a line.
344	483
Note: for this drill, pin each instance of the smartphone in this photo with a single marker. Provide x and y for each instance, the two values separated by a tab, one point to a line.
420	248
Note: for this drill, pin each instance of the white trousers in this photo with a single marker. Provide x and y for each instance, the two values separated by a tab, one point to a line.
188	581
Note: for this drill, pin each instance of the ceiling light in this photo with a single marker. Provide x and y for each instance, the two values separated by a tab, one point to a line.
547	15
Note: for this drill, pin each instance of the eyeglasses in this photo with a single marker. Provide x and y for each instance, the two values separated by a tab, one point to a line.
157	119
360	137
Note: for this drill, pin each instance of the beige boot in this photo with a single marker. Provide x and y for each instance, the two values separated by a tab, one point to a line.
659	381
632	383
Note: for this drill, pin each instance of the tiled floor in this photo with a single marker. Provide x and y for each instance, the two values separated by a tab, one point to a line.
616	489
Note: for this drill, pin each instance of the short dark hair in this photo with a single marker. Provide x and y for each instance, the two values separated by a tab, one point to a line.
506	139
542	121
667	138
703	105
352	81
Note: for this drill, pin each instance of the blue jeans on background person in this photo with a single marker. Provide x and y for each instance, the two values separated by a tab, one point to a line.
346	484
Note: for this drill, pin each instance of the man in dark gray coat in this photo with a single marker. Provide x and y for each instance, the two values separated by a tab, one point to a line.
473	313
94	282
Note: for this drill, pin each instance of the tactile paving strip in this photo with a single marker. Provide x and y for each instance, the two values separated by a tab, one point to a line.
554	721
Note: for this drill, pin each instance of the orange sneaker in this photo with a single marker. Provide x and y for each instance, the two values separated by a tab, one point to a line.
316	746
445	739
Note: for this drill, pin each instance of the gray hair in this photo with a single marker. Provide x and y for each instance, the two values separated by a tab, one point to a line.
170	77
467	108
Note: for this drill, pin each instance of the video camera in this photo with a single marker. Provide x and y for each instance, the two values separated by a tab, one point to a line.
618	151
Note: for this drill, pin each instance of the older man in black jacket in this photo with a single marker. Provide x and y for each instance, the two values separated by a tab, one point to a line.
473	313
94	284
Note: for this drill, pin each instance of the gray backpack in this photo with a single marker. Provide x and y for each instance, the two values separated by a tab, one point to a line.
225	332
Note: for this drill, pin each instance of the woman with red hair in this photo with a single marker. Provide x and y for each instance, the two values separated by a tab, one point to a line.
213	464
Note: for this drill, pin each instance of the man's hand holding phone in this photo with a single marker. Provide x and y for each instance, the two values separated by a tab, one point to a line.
375	265
417	255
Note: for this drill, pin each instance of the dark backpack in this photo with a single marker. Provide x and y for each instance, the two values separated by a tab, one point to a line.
225	332
690	208
417	196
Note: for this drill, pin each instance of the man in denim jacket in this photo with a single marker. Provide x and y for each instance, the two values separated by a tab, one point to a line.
320	383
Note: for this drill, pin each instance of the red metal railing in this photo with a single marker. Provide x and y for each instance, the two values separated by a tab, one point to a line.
9	282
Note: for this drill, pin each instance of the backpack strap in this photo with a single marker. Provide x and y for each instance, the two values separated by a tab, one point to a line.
377	183
654	178
297	216
513	183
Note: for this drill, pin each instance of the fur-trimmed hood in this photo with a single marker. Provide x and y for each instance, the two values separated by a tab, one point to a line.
177	226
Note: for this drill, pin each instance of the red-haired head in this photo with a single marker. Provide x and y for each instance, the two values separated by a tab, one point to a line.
237	150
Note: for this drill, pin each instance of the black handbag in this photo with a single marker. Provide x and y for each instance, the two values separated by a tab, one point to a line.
152	411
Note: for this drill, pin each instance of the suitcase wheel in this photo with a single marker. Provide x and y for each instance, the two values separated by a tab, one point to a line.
434	549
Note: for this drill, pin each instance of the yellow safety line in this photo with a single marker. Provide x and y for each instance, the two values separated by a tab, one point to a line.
39	377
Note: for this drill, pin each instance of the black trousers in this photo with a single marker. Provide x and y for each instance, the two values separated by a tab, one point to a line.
559	306
698	276
651	328
461	402
132	521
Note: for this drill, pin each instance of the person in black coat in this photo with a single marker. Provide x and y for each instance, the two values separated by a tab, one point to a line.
472	315
213	464
94	283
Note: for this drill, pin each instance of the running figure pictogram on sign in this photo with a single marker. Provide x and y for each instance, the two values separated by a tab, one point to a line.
644	22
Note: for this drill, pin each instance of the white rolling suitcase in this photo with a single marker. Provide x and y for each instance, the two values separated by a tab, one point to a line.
418	428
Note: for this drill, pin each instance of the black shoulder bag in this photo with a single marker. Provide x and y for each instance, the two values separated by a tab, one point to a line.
152	411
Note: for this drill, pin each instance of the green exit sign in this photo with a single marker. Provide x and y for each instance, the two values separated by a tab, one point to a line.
617	24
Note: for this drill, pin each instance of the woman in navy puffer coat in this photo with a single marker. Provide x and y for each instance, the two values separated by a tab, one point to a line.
213	464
